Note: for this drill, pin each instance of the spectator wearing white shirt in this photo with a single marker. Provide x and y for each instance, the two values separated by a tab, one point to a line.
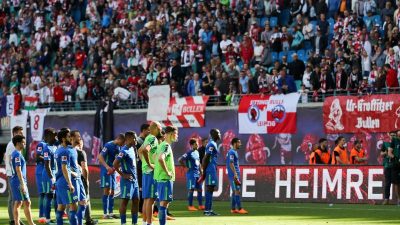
258	52
365	64
17	130
308	30
13	38
81	91
44	93
35	78
224	44
307	77
187	58
65	40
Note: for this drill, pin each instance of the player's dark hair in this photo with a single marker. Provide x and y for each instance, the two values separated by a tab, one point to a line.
234	141
62	134
214	133
48	133
16	129
322	140
338	140
129	134
192	141
170	129
120	136
74	132
144	127
17	139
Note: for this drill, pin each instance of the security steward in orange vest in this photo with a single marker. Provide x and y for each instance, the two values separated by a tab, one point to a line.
340	156
357	154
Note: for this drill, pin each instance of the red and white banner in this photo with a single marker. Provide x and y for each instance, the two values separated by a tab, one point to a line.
268	114
37	123
352	114
187	112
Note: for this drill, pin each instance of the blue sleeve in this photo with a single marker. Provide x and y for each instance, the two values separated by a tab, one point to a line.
120	156
65	157
39	148
17	160
105	150
231	157
46	155
209	149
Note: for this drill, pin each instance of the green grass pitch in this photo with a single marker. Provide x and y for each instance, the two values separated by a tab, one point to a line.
259	214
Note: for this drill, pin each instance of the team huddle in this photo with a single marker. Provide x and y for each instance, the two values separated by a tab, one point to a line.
145	164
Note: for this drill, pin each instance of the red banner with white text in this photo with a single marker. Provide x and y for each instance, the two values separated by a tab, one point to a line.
331	184
187	111
352	114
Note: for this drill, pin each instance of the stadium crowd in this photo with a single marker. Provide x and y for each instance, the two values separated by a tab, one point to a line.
64	51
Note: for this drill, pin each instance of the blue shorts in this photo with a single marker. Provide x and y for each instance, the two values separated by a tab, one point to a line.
165	190
149	186
191	182
79	189
39	180
46	183
17	193
211	179
234	187
108	181
64	196
129	189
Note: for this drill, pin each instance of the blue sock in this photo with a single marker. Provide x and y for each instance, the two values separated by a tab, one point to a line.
208	200
211	201
81	213
110	204
134	218
200	197
238	203
123	218
59	217
72	217
233	202
55	203
105	204
47	210
162	215
190	198
41	205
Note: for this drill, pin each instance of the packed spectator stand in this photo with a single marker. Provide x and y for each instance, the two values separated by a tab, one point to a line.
71	53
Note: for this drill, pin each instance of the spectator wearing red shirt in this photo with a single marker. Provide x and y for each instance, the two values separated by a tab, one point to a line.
80	57
58	93
246	50
391	77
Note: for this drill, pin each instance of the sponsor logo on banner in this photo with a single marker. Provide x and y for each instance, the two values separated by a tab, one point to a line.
187	112
372	113
268	114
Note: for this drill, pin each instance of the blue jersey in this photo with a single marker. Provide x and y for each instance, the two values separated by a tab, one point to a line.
232	157
62	156
192	159
109	152
127	159
212	150
74	162
48	155
17	159
39	152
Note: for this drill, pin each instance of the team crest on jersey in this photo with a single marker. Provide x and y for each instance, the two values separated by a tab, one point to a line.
46	154
39	149
104	149
121	154
232	157
64	158
17	160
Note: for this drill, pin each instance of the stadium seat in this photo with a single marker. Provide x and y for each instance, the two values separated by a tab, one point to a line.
289	56
273	22
263	20
274	56
281	54
307	45
301	53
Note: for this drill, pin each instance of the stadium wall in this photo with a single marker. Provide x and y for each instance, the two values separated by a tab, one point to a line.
264	149
331	184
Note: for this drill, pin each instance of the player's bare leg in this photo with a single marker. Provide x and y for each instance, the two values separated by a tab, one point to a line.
28	213
149	210
17	206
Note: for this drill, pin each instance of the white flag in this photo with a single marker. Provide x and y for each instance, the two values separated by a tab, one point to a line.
19	120
158	102
37	123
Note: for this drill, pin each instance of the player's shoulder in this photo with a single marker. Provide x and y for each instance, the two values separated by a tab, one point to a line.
41	146
150	138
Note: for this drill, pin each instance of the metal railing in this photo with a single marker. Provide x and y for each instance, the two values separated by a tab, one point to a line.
213	100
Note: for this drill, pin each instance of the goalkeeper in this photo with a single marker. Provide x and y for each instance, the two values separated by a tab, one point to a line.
232	165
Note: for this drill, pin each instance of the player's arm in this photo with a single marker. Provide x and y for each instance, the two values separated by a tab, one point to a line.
360	159
20	178
117	166
390	152
39	157
205	162
67	177
145	151
161	160
232	166
85	171
48	170
182	160
101	159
